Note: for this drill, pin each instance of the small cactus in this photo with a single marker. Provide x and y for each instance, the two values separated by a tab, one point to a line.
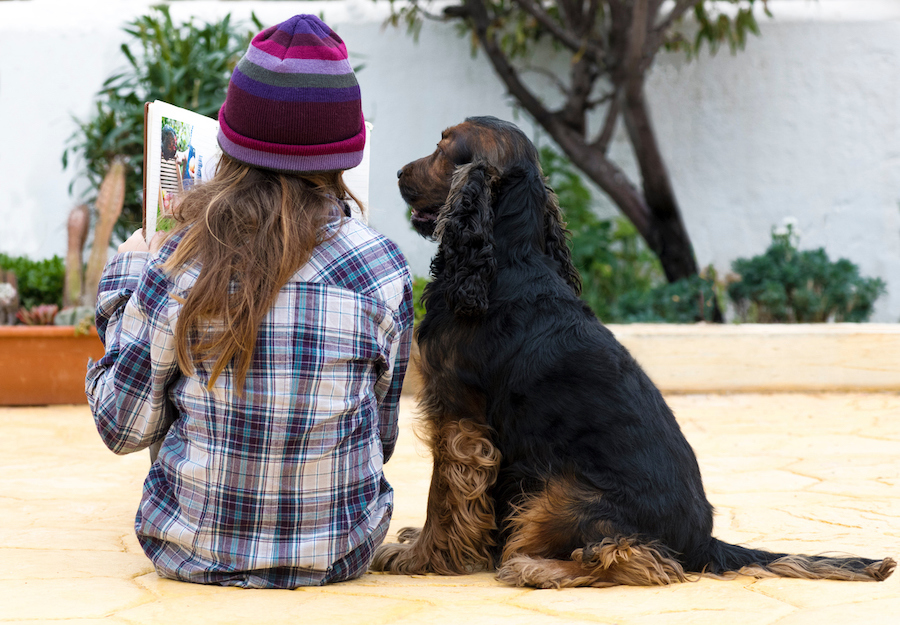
9	297
78	226
74	316
40	315
110	200
82	283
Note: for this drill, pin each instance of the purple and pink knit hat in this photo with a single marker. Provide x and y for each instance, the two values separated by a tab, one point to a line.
293	103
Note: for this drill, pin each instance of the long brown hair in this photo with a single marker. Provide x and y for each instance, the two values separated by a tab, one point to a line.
249	230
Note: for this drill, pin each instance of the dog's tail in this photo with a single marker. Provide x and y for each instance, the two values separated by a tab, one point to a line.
724	559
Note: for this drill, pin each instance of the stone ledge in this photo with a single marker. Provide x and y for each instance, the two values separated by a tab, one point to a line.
707	358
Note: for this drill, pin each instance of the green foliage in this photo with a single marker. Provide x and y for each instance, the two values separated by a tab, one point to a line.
418	288
40	281
518	31
186	64
685	301
788	285
715	27
623	281
182	131
608	253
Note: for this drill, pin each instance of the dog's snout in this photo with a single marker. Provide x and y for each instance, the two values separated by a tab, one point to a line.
399	172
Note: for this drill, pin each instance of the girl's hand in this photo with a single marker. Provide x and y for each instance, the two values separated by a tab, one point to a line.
157	241
135	243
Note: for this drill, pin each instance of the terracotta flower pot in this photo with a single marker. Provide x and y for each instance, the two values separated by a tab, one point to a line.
42	365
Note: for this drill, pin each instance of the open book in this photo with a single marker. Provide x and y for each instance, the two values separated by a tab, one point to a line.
180	151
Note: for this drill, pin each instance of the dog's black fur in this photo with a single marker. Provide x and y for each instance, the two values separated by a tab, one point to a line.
556	457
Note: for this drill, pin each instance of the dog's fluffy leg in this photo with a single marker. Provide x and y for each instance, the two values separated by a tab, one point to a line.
459	532
611	562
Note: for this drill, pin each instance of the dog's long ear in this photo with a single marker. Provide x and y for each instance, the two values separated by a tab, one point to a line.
557	240
465	262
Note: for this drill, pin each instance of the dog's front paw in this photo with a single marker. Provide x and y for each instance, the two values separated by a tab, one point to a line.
533	572
396	558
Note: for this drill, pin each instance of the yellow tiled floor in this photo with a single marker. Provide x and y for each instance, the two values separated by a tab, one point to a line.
793	472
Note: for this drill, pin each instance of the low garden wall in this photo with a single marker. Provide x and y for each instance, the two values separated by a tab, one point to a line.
47	365
708	358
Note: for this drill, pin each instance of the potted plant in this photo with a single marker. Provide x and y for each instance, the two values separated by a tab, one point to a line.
44	364
40	363
44	359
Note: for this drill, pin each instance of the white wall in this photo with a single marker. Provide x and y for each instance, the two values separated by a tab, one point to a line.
803	123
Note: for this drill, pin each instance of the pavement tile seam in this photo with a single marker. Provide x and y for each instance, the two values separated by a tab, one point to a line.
799	606
758	589
386	594
568	616
813	519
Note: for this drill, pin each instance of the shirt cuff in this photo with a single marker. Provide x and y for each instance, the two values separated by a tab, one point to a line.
120	279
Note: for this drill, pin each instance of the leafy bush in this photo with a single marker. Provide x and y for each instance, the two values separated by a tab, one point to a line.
187	65
623	282
788	285
685	301
40	281
418	288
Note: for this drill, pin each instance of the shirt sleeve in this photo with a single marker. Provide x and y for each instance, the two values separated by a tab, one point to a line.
127	388
390	384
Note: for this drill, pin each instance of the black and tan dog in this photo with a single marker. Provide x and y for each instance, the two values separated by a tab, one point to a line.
555	457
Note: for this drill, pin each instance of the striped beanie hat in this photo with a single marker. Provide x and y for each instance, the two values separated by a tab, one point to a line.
293	104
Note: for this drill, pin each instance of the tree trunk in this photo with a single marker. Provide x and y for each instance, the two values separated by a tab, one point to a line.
653	209
667	236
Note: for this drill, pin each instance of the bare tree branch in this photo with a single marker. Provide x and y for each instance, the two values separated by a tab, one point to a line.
619	26
637	35
604	99
481	24
584	74
601	143
655	6
589	19
566	10
681	7
551	76
564	36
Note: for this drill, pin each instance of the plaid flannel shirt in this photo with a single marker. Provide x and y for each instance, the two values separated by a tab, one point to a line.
281	486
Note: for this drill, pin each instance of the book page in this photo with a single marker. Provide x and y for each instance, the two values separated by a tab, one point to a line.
181	150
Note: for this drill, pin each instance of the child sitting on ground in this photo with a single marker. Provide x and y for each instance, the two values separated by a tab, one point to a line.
263	343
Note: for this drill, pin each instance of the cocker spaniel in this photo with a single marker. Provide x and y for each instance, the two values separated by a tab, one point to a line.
555	457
